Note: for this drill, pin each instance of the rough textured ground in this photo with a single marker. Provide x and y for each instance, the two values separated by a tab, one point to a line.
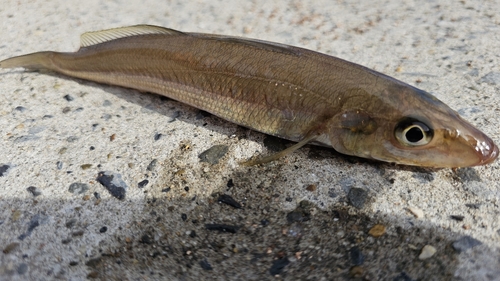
315	215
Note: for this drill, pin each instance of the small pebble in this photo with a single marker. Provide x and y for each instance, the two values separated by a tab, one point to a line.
143	183
465	243
418	213
34	191
86	166
228	200
311	187
427	252
357	257
377	230
205	265
157	136
22	268
68	98
356	271
78	188
3	169
222	227
213	154
113	183
103	229
152	165
10	248
278	266
357	197
457	217
146	239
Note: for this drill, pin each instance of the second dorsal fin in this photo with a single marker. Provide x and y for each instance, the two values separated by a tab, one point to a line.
92	38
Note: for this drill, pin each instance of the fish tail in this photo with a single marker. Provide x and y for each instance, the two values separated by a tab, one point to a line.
34	61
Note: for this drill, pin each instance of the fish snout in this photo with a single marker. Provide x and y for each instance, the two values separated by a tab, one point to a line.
486	150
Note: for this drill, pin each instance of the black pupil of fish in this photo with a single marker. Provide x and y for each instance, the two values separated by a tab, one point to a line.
414	134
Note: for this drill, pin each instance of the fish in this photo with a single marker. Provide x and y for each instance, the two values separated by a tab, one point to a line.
281	90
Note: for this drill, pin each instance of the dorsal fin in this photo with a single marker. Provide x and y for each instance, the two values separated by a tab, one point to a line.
92	38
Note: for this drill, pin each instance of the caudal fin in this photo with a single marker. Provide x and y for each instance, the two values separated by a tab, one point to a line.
34	61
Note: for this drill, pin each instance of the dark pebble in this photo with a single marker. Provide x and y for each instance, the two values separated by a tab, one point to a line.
357	197
47	116
230	183
186	188
184	217
457	217
59	165
278	266
22	268
103	229
152	165
20	108
97	195
357	257
73	263
66	241
93	262
91	148
66	109
78	233
192	234
34	223
72	139
34	191
157	136
473	206
142	183
113	183
222	227
264	222
205	265
3	169
10	248
78	188
465	243
68	98
146	239
301	213
166	189
403	277
423	176
226	199
70	223
213	154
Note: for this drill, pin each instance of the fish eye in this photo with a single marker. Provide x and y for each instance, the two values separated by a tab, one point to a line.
411	132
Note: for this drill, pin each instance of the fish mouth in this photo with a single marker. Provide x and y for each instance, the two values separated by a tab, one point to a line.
486	150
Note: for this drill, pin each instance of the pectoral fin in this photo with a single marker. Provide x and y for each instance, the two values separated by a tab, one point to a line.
276	156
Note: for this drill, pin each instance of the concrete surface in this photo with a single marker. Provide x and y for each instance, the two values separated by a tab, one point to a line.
298	219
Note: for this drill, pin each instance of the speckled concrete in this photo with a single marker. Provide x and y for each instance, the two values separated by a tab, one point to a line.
297	220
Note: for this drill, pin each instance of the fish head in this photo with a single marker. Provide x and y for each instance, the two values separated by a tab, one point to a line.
413	128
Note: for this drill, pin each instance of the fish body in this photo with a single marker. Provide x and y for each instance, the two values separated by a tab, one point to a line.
281	90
